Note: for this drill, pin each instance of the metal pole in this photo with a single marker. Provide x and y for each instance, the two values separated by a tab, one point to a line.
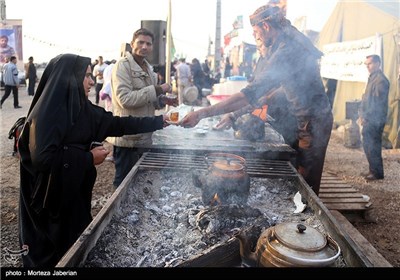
168	52
168	55
3	12
217	54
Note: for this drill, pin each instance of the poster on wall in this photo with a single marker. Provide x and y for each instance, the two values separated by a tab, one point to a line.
344	61
11	41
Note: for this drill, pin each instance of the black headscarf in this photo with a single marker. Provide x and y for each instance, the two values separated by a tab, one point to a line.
59	98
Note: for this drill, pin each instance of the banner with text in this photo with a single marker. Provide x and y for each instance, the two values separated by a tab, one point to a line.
345	61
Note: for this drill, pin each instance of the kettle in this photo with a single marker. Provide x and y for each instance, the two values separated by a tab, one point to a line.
225	180
289	245
249	127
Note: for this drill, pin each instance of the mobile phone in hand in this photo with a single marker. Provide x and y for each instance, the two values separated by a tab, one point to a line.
95	144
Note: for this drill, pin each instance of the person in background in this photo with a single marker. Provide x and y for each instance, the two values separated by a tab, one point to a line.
98	74
105	92
208	80
330	89
31	76
58	158
183	78
217	77
94	63
373	113
292	64
135	92
11	82
198	78
245	69
227	68
206	68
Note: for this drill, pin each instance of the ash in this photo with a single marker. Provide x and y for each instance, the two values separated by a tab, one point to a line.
162	220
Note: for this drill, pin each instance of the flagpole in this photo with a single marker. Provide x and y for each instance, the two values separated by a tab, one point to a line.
168	52
217	51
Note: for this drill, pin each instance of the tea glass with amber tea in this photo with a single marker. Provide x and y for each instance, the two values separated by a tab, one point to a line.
174	116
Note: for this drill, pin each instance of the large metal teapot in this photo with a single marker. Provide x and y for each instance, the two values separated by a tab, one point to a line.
289	245
225	181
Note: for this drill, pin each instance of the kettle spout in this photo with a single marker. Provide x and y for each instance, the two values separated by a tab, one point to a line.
248	257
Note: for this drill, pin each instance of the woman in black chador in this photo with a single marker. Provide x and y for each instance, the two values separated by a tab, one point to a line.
57	161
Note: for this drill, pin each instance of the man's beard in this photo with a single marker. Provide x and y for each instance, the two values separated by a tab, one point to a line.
268	42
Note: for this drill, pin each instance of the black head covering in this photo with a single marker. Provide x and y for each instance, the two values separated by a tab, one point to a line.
59	98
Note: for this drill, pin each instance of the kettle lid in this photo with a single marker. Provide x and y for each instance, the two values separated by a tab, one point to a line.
228	165
226	161
300	237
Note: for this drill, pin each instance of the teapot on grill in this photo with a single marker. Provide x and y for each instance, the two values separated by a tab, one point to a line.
289	245
225	181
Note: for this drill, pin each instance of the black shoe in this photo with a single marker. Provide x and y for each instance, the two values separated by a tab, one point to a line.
17	107
372	177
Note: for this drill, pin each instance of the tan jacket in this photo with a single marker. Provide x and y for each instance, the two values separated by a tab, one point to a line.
134	94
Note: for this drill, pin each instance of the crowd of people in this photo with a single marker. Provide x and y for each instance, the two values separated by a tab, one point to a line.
192	74
57	158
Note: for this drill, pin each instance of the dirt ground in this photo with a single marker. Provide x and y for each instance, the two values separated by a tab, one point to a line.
383	231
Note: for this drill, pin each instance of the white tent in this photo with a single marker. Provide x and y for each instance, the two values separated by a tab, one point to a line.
358	20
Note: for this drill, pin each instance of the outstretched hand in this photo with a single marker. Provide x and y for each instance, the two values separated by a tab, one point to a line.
190	120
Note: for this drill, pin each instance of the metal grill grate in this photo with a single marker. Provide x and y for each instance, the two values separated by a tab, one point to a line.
255	167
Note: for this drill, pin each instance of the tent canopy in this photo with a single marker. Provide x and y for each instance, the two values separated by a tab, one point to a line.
356	20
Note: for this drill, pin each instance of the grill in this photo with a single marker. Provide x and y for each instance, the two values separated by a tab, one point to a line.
255	167
228	254
268	160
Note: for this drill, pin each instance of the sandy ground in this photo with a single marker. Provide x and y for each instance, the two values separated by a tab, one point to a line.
382	231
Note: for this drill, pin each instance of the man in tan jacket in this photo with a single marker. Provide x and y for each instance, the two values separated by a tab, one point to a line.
135	92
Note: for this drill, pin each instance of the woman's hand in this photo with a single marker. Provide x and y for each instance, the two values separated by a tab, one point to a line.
99	154
166	119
